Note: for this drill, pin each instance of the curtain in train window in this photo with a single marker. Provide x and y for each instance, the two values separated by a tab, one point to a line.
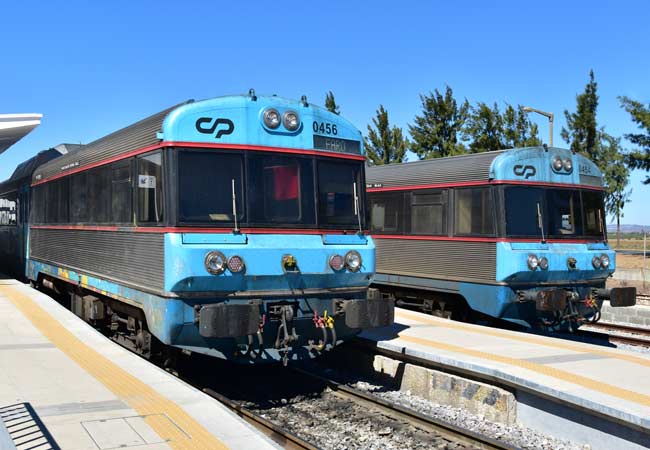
429	213
474	211
336	204
150	188
281	190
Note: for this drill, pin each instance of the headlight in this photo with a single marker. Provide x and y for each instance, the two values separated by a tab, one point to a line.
568	165
533	262
291	120
215	263
557	164
596	262
604	261
353	261
272	118
337	262
236	264
543	263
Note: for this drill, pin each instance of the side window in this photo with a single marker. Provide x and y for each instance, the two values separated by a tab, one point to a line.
474	212
8	209
98	195
79	204
56	201
150	183
386	211
37	213
121	198
429	213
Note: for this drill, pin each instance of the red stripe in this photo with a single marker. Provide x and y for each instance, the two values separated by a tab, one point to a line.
480	239
482	183
150	148
190	229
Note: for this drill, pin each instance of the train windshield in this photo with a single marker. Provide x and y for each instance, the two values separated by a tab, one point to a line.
553	213
267	190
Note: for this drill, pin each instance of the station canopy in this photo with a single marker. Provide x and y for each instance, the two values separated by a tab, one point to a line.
13	127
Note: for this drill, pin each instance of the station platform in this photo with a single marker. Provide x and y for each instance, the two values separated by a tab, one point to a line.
582	392
64	385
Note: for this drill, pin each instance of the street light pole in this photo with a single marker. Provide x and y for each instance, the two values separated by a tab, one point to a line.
528	109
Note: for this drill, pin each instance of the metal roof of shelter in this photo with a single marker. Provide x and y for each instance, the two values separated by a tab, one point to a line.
13	127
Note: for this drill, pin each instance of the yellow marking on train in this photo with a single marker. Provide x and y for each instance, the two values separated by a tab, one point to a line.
580	380
547	342
142	398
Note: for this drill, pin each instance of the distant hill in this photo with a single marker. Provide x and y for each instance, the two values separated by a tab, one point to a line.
611	228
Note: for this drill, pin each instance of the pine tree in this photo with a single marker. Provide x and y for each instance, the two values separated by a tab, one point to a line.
518	129
437	130
639	158
385	145
484	128
581	132
617	176
330	103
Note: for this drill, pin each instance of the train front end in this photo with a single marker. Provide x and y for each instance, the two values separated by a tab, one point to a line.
268	259
552	259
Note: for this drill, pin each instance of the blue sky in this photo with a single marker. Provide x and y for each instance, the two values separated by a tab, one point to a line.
93	67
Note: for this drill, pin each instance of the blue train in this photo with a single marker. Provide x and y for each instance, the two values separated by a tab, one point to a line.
233	227
516	234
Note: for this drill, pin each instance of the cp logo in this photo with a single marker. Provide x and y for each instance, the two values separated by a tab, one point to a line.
207	126
524	171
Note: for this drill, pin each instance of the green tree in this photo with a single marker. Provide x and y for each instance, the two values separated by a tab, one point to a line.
484	128
617	177
437	130
639	158
330	103
518	129
581	132
385	145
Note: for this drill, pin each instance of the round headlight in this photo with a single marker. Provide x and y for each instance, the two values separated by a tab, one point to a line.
236	264
291	120
568	165
596	262
543	263
533	262
604	261
272	118
557	164
215	263
337	262
353	261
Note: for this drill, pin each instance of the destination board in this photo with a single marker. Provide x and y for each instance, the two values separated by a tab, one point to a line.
333	144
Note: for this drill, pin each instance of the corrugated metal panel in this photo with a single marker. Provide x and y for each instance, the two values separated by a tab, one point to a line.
591	180
457	260
133	258
140	134
475	167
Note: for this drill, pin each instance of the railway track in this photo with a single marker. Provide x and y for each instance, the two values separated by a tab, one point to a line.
335	397
621	334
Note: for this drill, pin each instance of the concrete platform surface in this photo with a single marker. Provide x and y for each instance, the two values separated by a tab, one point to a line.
608	381
89	393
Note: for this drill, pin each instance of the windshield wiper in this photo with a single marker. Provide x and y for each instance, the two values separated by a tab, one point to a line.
600	224
540	222
234	207
356	207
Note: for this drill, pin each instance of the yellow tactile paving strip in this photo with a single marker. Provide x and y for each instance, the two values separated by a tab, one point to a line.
580	380
189	435
546	342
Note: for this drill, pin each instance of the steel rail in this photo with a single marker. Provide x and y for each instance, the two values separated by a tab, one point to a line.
445	429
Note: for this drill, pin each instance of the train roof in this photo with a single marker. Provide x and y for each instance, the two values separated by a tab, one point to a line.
180	124
24	170
529	164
